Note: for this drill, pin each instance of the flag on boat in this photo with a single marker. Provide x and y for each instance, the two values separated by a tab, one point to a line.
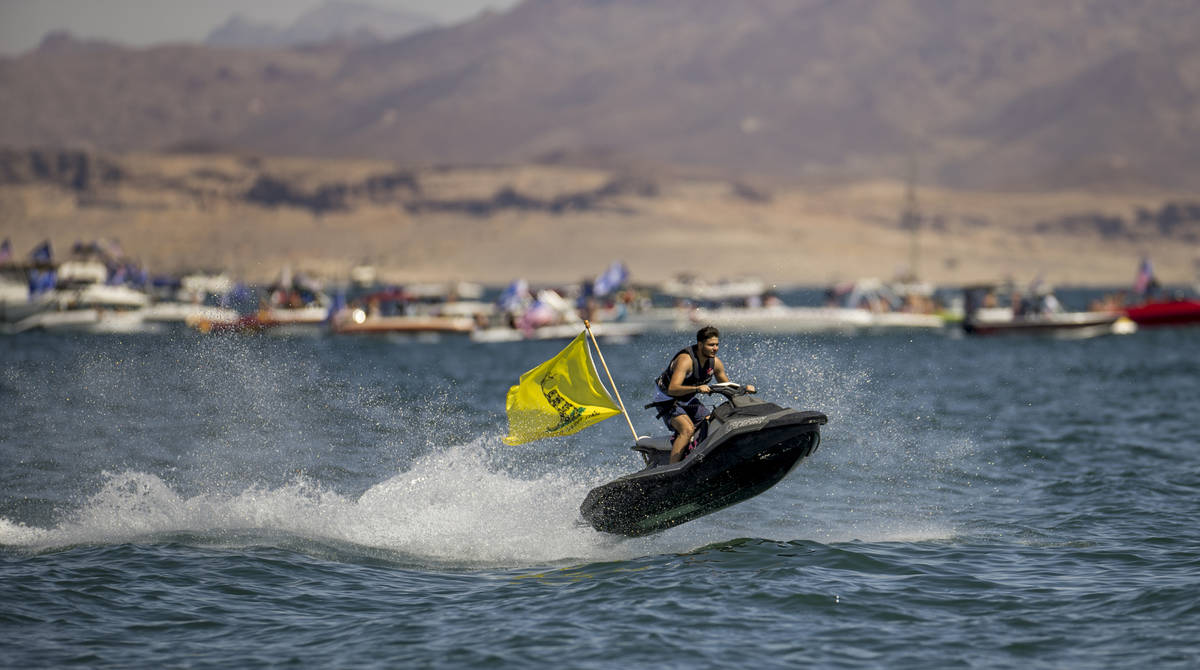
562	396
515	297
611	279
1145	278
42	253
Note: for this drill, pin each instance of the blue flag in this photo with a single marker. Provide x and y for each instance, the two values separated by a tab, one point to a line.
611	279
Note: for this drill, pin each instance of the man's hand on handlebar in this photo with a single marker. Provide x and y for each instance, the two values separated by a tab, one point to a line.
728	389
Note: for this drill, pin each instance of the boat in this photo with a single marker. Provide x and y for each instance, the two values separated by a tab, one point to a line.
1067	325
1156	307
294	305
359	322
285	321
747	446
867	305
1170	311
547	316
194	297
992	310
400	311
83	301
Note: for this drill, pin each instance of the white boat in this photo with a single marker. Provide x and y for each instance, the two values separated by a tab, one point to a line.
1063	325
183	312
550	316
997	309
194	301
864	306
296	305
83	302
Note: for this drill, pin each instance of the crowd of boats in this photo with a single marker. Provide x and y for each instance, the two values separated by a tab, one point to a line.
97	290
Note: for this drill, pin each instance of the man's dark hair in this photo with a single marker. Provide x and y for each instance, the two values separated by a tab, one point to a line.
707	332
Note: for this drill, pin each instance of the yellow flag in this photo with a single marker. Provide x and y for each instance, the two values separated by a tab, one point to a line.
559	397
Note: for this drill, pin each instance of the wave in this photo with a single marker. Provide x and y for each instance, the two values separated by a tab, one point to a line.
450	507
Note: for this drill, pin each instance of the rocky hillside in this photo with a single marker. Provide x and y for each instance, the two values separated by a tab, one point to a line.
1013	94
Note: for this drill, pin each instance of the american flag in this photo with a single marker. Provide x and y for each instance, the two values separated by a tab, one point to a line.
1145	278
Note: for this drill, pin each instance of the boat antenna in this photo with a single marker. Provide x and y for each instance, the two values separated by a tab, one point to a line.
587	325
910	220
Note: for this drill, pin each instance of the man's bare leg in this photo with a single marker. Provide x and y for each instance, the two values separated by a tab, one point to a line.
684	429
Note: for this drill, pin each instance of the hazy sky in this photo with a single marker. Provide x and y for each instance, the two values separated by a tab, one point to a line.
23	23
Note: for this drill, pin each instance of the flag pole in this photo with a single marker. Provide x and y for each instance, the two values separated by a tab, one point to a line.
587	325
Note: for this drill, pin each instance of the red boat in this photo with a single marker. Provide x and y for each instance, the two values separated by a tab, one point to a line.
1167	310
1170	312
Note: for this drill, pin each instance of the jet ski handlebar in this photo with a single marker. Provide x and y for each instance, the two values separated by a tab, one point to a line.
729	389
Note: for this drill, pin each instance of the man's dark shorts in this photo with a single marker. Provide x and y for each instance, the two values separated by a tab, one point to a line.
694	408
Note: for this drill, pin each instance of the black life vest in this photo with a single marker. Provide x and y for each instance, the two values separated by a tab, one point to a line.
696	377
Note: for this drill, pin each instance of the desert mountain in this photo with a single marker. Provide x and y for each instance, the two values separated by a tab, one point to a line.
336	20
1004	94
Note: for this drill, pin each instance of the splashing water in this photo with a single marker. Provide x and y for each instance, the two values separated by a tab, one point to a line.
450	508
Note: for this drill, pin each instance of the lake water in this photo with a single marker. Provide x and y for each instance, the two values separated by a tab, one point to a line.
216	502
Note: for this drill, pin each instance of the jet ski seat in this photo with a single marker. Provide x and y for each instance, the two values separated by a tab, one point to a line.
655	450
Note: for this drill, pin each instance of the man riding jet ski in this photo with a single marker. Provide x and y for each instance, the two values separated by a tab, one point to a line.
747	447
677	389
744	447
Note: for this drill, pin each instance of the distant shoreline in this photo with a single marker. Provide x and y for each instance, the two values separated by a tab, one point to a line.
558	225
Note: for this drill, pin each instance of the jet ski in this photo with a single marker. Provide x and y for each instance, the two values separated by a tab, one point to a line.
745	447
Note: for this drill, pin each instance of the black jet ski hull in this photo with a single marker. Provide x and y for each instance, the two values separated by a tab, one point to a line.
740	468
